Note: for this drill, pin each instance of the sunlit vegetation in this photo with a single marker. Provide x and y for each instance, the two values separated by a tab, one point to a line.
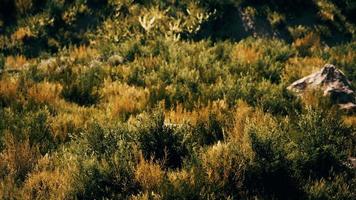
124	99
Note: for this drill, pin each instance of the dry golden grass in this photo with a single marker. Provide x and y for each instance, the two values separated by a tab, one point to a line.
150	62
246	54
310	42
48	181
18	158
348	57
122	99
83	53
179	115
350	120
298	67
21	33
45	92
56	184
221	163
242	113
246	118
15	62
8	89
65	123
72	118
149	175
326	9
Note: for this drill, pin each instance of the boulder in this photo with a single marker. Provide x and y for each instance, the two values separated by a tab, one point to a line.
332	82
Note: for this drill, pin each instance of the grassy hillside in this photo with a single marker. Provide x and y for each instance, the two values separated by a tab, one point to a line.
125	99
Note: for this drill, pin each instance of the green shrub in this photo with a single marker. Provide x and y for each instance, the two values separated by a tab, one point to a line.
31	126
208	132
85	89
161	142
40	133
269	173
276	99
224	167
105	159
323	143
340	187
102	141
35	74
111	178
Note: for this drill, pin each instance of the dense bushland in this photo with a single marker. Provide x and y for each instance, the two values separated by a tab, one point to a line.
123	99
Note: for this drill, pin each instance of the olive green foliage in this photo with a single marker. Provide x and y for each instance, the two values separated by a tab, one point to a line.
123	99
84	89
161	142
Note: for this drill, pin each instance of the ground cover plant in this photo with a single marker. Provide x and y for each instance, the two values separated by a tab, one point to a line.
150	99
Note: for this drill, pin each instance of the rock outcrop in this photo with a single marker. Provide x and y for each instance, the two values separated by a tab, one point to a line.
332	82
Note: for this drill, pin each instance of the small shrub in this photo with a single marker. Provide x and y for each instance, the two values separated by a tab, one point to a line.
307	44
149	175
323	140
208	131
340	187
243	112
85	89
64	125
111	178
48	184
18	158
161	142
278	100
44	93
297	68
224	167
276	19
122	99
15	62
8	91
269	173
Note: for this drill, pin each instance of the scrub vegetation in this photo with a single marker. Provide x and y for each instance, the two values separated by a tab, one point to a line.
150	99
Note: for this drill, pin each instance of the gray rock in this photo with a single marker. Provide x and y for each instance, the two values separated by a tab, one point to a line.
332	82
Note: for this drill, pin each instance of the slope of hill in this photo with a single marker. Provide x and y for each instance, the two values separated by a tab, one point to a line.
139	99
